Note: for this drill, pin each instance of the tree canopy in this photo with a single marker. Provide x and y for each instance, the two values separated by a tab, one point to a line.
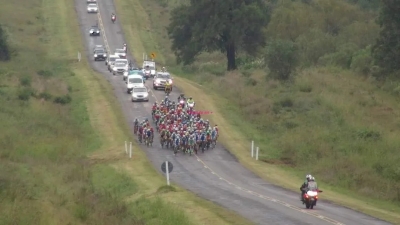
228	26
386	51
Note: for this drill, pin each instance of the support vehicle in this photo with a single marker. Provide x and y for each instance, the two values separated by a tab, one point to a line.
149	69
134	81
161	79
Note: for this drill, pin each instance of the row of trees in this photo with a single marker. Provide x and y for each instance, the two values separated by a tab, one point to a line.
240	26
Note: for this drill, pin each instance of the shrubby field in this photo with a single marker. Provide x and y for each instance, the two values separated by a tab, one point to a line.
335	114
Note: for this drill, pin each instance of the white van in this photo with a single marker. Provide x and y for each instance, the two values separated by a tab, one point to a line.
132	81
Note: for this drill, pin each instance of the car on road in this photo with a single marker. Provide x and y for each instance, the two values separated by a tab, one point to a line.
92	8
91	1
99	54
120	52
120	67
98	47
94	31
134	81
135	71
140	94
161	79
110	61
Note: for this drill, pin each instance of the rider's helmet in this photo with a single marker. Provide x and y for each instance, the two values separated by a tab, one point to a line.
312	179
308	176
124	45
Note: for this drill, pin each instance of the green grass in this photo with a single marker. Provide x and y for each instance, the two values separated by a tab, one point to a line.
342	121
57	163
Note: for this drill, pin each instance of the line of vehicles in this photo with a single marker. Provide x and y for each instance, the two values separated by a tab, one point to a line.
134	77
118	64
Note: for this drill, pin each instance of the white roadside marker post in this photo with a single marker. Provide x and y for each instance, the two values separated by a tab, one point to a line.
130	151
126	147
167	172
257	154
252	149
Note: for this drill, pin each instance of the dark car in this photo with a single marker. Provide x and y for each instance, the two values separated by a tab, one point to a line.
100	54
94	31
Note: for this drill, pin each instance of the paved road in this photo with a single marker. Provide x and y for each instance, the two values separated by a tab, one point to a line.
215	175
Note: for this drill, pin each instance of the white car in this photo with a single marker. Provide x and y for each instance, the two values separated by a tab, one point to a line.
120	68
92	8
111	59
161	79
134	81
111	62
120	52
140	94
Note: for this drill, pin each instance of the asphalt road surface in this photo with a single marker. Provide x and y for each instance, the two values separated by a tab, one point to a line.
215	174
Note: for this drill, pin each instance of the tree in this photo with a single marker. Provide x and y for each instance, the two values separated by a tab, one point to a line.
4	49
281	58
210	25
386	52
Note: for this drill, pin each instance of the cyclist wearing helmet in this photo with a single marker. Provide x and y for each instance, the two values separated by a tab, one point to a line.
304	186
166	99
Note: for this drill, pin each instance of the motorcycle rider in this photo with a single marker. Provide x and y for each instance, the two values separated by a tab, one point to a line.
125	48
190	101
113	17
312	186
304	186
163	69
130	65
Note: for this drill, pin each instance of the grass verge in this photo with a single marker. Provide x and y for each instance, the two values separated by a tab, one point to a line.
332	89
62	135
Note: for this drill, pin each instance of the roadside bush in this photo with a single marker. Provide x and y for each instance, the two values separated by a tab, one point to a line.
281	58
25	94
25	81
341	58
45	73
362	61
63	100
45	95
283	103
314	44
5	53
248	62
369	135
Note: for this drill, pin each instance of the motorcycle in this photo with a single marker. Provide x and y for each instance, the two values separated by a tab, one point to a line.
310	198
113	18
190	105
